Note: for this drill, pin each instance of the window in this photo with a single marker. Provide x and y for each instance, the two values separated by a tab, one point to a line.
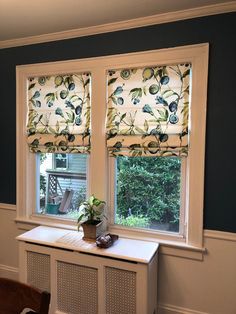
60	161
153	187
148	193
58	132
62	184
147	124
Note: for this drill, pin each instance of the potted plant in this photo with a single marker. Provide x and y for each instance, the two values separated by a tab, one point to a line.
90	218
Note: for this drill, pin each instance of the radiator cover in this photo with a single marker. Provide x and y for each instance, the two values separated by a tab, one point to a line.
82	282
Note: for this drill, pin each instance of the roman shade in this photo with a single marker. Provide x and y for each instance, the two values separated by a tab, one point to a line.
59	113
148	110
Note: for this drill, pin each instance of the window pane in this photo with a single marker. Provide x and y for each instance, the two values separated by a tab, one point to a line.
60	161
148	192
62	184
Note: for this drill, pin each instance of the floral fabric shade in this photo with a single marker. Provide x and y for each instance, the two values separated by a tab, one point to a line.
59	113
148	111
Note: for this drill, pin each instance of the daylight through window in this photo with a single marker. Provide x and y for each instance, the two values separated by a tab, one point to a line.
58	132
148	192
63	184
147	132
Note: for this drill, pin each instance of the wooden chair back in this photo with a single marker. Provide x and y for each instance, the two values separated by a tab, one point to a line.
16	296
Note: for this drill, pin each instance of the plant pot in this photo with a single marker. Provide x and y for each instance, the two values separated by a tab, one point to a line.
92	230
52	208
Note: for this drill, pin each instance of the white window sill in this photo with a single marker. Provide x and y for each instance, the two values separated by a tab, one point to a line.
167	247
36	220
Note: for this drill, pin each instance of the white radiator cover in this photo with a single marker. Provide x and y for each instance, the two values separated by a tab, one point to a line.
84	279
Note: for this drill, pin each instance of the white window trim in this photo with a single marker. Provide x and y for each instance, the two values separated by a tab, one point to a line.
98	162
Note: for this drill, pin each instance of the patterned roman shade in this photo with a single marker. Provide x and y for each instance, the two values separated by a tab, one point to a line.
59	113
148	111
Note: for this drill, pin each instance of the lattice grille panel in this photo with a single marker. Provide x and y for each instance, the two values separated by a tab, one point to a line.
38	270
52	185
120	291
77	288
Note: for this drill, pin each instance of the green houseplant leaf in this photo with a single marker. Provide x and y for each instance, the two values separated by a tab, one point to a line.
91	210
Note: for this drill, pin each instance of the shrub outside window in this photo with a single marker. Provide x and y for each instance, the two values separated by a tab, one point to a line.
148	192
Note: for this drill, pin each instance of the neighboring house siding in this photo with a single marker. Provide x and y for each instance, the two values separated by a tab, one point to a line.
77	163
62	180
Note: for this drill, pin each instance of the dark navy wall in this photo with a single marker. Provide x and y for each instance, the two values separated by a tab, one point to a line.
218	30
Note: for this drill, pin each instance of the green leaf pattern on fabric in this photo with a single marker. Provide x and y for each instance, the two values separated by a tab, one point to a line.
59	113
148	111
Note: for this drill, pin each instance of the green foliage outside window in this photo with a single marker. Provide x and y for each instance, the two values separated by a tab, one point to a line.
148	192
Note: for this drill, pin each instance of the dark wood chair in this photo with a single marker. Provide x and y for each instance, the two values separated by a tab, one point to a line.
16	296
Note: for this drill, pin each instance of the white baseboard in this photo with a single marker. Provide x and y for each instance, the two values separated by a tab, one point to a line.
171	309
9	272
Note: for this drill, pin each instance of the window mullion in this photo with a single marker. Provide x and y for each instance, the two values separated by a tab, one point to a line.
112	190
98	156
